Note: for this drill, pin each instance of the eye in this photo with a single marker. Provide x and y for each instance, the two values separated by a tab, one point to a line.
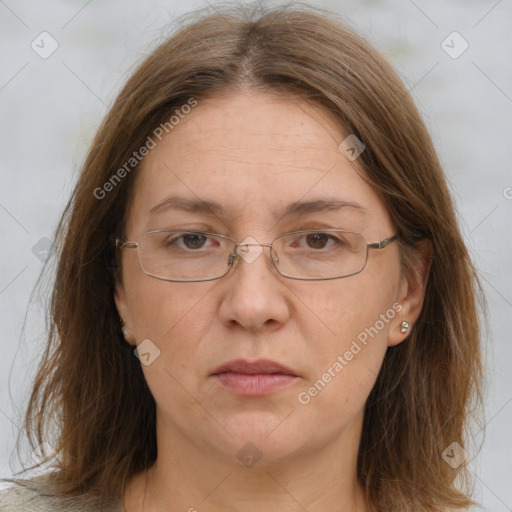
317	240
193	240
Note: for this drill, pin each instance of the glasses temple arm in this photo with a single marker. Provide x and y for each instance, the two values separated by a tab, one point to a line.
383	243
125	245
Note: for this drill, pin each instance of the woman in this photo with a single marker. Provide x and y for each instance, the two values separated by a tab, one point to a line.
263	300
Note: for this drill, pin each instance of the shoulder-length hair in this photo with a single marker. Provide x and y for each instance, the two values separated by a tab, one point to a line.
90	384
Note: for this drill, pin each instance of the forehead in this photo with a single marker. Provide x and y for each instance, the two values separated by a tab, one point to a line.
254	153
261	125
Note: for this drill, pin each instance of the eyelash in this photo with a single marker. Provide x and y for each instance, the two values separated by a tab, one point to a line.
332	240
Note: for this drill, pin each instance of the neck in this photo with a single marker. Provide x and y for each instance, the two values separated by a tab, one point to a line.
186	477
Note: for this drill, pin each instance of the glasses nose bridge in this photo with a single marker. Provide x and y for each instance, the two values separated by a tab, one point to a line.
235	254
261	244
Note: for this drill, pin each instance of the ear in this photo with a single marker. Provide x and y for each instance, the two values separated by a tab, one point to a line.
412	291
124	312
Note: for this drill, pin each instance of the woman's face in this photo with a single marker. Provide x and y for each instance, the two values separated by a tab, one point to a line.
255	154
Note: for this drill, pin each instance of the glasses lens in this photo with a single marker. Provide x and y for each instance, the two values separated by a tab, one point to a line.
320	254
184	255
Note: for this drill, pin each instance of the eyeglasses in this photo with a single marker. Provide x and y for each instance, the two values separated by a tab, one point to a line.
189	256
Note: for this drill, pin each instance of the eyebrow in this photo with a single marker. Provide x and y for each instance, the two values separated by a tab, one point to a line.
295	209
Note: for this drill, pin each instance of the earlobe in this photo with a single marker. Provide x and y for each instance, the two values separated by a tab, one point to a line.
404	326
412	292
122	310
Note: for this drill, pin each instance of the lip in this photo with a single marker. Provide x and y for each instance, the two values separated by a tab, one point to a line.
254	378
258	367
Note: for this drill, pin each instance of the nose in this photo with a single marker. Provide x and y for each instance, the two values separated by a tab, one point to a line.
255	296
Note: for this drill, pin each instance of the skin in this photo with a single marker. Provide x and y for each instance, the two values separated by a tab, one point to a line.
256	152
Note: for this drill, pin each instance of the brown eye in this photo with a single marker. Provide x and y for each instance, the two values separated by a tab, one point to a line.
194	241
317	240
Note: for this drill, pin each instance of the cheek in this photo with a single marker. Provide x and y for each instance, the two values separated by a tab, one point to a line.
337	311
176	317
345	369
347	330
160	309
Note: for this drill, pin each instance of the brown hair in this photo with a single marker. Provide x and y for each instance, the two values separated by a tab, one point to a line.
89	382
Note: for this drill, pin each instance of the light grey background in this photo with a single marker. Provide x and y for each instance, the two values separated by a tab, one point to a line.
51	108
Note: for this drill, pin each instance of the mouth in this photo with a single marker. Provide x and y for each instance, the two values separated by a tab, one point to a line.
256	378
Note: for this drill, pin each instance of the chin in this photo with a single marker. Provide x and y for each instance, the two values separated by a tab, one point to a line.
261	438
